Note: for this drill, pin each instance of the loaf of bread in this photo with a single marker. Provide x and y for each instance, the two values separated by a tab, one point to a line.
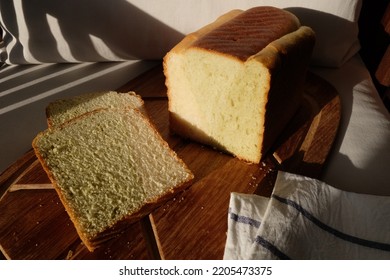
237	82
110	167
63	110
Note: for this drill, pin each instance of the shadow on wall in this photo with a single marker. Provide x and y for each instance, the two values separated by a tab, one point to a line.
33	87
85	30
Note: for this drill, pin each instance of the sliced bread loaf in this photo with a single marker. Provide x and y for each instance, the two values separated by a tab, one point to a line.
63	110
236	83
109	167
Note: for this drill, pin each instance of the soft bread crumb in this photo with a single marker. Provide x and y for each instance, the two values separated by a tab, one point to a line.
106	166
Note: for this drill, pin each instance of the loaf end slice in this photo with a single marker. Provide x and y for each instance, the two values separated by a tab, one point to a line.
63	110
110	167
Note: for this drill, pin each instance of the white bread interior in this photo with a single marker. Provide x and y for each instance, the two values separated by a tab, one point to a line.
109	167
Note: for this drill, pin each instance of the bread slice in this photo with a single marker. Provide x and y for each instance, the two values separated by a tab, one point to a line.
236	83
110	167
61	111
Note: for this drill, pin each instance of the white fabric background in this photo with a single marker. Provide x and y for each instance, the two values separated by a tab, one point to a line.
38	31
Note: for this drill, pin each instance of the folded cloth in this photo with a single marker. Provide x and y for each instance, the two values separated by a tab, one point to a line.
307	219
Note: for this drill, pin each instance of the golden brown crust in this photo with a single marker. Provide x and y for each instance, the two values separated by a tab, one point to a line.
189	39
249	32
287	61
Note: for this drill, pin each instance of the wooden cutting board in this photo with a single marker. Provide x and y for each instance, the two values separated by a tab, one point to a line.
193	225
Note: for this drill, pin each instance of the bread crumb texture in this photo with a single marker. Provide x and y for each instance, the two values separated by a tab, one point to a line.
107	165
220	97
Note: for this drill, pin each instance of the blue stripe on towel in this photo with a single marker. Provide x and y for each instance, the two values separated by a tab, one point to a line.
272	248
244	220
335	232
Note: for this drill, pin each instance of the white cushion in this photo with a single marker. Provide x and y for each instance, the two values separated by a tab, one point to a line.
99	30
360	159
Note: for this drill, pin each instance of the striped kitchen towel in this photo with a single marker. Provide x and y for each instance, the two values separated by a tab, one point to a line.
307	219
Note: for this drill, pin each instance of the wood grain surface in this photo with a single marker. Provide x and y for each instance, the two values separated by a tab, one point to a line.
193	225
